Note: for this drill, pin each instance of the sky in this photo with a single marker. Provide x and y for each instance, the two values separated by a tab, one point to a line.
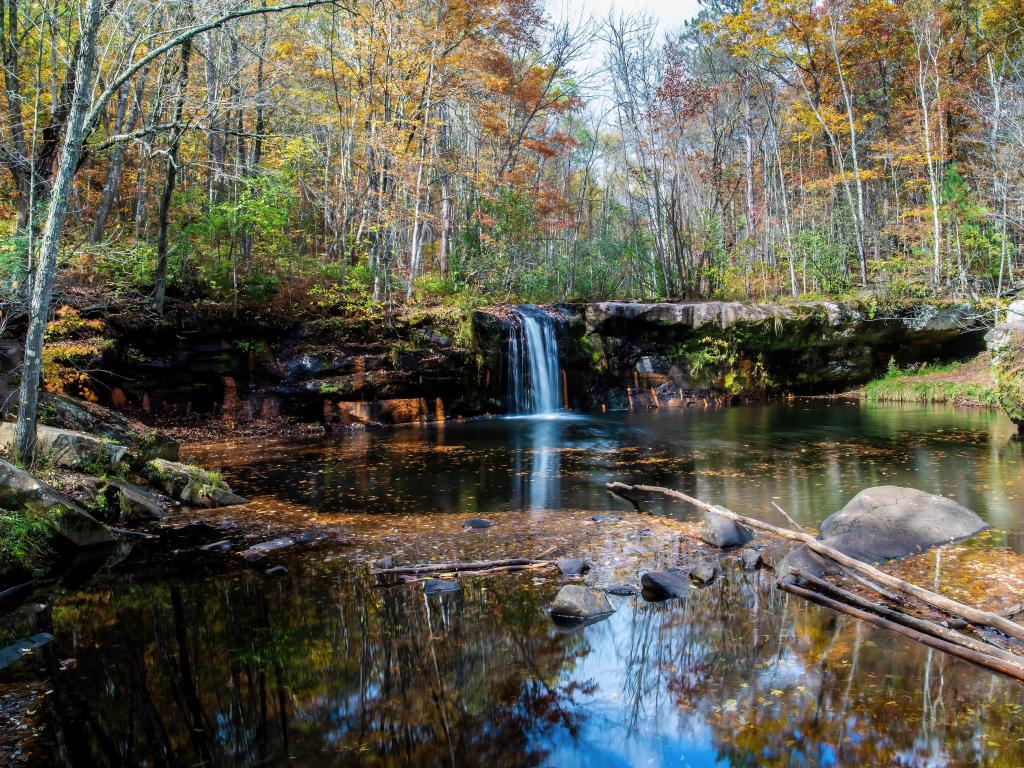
669	13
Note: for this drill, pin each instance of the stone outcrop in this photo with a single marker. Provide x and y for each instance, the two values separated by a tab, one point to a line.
673	354
144	443
889	522
69	449
72	526
191	485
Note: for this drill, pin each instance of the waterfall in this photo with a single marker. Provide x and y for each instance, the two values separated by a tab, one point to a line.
533	376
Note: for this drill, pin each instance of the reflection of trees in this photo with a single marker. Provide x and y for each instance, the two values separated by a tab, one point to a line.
329	669
335	671
799	685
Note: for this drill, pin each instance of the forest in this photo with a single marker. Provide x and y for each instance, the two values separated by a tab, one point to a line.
398	150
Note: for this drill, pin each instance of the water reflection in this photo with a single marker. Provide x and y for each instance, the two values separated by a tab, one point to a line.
810	458
324	668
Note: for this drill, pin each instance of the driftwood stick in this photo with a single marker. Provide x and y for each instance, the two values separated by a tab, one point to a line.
789	519
982	659
1010	613
967	612
480	565
914	622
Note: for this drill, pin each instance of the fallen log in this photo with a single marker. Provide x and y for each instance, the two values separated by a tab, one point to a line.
950	606
914	622
982	659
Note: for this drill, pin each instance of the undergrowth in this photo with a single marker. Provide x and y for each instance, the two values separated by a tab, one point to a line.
952	383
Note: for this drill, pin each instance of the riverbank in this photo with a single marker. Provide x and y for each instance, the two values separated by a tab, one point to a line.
963	383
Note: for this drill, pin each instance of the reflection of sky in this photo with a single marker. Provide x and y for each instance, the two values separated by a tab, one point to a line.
663	734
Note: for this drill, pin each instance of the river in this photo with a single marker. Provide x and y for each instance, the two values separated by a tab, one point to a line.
209	661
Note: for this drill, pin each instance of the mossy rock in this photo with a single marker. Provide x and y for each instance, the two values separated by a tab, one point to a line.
191	485
1008	367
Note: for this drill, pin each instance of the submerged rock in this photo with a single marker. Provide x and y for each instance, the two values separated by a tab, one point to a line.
721	532
264	548
71	524
572	567
577	602
888	522
276	570
703	573
606	518
475	523
440	586
622	590
190	485
217	546
751	559
665	585
69	449
11	653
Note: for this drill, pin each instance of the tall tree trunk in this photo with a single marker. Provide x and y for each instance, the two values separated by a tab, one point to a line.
42	289
163	215
113	179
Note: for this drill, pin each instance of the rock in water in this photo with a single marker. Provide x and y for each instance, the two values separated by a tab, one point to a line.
579	603
440	586
703	573
72	525
722	532
264	548
887	522
664	585
606	518
572	567
127	502
475	523
190	485
751	559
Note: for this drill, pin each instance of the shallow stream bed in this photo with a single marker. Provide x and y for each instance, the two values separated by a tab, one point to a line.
207	660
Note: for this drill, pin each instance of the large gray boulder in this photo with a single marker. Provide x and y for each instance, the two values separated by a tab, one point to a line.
68	448
888	522
191	485
71	525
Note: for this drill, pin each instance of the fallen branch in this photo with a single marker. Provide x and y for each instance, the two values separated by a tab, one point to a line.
967	612
490	566
914	622
982	659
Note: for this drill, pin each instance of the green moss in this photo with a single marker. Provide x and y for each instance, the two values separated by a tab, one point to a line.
1009	381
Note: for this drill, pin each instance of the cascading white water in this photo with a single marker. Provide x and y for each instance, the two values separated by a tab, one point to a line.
533	377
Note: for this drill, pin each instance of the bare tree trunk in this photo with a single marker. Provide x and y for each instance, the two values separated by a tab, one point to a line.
160	289
42	290
113	179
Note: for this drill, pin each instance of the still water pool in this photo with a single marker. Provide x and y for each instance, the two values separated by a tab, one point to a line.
219	665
